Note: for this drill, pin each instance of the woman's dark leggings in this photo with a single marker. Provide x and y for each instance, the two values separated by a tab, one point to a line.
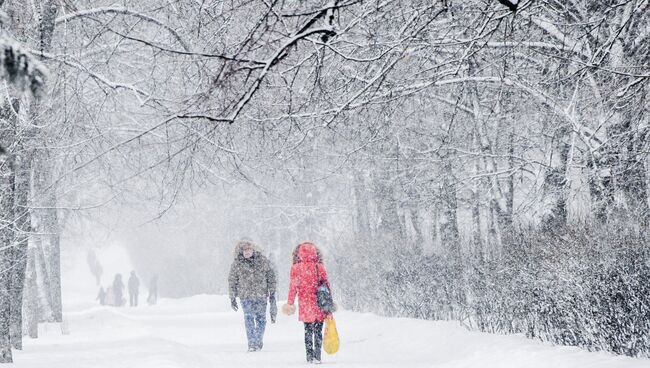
313	340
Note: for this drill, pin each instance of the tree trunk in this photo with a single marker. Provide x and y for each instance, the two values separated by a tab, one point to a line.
494	247
510	194
48	13
449	234
52	229
48	228
619	165
7	114
419	236
631	175
6	257
450	238
491	166
22	173
33	25
601	187
557	184
477	237
44	288
30	306
390	226
634	181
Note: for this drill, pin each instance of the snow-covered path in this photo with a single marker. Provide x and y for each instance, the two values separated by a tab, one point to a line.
202	331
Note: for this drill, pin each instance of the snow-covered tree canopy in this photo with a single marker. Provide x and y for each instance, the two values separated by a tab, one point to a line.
478	160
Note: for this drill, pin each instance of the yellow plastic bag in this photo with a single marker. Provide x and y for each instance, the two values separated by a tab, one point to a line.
331	338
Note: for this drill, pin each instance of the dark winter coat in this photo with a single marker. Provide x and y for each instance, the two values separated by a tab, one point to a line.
251	278
307	273
134	284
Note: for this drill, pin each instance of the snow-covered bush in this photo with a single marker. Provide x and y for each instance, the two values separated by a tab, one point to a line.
584	287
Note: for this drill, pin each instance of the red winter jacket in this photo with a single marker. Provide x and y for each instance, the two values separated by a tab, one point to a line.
304	282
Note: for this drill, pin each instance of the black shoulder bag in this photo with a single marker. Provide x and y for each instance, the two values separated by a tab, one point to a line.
323	295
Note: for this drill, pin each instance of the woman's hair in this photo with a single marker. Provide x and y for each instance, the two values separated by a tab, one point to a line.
294	254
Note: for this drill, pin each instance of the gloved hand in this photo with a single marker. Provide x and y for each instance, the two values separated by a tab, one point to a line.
233	304
273	309
288	309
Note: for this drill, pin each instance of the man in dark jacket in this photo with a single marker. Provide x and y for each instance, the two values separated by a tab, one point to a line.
252	279
134	289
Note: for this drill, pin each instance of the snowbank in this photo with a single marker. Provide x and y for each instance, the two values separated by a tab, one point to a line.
202	331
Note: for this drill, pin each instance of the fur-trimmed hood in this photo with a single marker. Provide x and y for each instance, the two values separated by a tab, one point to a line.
251	278
239	248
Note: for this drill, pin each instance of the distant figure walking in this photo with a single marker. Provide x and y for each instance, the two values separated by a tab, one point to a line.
134	289
118	291
307	274
152	298
252	279
95	266
101	296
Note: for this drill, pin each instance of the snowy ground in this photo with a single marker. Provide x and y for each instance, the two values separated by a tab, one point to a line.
202	331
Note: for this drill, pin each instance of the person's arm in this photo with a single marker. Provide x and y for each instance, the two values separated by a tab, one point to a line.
233	280
293	285
271	280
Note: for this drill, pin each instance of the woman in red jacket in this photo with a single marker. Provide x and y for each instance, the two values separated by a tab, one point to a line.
307	273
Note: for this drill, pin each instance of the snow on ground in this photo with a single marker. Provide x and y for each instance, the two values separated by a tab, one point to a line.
202	331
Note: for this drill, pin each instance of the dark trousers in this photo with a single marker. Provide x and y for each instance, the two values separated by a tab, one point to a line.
313	340
133	299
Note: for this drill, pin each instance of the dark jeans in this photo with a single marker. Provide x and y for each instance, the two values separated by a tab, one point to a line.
255	319
313	340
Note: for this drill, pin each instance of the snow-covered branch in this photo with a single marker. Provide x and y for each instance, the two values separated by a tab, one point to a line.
89	13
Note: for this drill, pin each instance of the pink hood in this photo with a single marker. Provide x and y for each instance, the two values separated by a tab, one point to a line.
307	253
